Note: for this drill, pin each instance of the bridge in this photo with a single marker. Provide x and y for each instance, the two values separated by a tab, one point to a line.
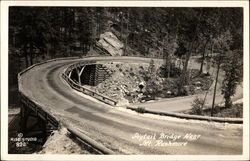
49	95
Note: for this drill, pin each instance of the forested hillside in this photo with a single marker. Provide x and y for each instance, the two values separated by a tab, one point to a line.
40	33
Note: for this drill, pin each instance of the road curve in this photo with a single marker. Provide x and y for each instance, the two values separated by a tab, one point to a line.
182	104
118	129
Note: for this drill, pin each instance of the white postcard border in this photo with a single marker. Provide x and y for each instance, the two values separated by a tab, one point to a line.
4	79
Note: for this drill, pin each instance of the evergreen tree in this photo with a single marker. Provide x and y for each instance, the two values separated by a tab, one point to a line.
233	68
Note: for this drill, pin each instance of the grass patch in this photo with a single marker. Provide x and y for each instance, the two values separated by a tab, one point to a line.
236	111
140	110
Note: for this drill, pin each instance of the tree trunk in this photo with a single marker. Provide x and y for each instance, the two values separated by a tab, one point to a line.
163	44
169	69
203	57
228	101
215	86
202	63
188	55
121	28
126	41
53	50
26	56
98	25
212	48
196	47
168	64
47	51
68	45
31	53
184	75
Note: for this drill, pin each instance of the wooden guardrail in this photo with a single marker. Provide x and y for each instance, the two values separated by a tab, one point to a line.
37	64
187	116
36	108
38	111
48	118
41	112
101	149
85	90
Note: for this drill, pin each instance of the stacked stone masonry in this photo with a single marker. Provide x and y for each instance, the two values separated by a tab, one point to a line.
94	74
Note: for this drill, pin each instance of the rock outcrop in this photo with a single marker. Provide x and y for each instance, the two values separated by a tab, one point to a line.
111	44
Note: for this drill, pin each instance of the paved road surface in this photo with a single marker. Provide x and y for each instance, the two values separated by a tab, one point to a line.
115	128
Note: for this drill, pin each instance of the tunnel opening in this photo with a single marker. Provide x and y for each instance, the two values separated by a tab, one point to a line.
74	75
91	74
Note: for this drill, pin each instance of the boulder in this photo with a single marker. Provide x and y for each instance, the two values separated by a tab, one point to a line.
110	43
123	102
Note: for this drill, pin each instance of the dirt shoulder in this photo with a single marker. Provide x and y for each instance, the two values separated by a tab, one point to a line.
60	143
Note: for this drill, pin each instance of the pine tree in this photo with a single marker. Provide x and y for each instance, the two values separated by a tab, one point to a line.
233	68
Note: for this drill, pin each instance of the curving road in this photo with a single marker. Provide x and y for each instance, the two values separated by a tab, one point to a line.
122	131
182	104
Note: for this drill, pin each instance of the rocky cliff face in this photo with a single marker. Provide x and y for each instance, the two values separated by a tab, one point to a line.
111	43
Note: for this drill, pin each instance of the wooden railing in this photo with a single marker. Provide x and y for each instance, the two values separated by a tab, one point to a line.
38	110
42	112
